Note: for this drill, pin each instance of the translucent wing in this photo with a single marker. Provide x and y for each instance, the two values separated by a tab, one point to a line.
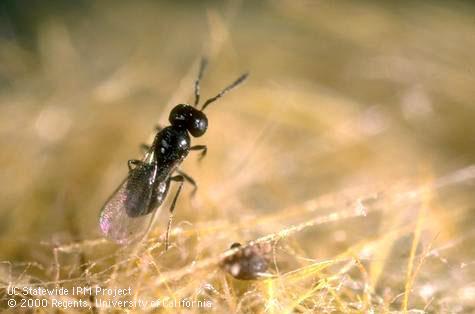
125	217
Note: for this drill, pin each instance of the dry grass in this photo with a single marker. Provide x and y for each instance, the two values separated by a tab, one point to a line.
350	150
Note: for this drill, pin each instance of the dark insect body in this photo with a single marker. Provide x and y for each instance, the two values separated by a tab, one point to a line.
250	262
126	215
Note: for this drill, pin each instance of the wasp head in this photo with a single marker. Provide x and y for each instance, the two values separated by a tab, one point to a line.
190	118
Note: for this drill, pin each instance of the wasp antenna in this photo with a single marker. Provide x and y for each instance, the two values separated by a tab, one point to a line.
203	64
225	90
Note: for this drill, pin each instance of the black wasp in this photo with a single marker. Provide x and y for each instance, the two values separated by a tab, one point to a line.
126	215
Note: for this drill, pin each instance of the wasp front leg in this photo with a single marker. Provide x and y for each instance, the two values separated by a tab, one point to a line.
144	147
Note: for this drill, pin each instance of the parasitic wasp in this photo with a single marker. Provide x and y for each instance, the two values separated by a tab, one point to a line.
126	215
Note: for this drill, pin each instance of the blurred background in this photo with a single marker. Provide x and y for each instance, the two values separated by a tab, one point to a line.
350	149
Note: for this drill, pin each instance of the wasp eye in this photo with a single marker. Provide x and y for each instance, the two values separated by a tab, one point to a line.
179	115
198	124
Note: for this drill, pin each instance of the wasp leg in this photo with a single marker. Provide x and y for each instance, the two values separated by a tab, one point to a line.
203	149
144	148
158	127
190	180
133	162
180	179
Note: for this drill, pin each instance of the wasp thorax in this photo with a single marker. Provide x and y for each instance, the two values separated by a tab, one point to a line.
190	118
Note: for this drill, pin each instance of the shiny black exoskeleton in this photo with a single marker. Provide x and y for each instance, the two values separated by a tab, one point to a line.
145	188
170	147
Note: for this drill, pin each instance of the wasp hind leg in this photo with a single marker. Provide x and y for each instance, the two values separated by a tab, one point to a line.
190	180
180	179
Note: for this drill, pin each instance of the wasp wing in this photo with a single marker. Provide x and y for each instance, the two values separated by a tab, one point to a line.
124	216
